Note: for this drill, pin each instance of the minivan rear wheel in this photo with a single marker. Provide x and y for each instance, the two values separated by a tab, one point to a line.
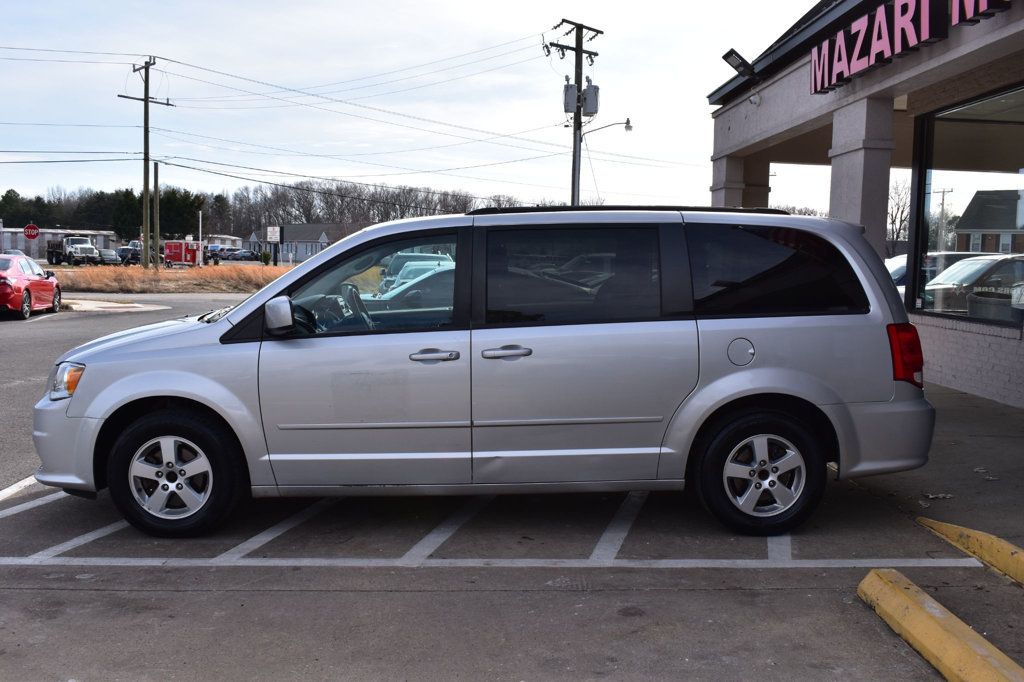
762	473
173	474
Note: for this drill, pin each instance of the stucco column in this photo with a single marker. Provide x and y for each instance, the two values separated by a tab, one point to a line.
861	153
727	181
756	182
739	181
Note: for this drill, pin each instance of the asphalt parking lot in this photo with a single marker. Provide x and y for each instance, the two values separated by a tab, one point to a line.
590	585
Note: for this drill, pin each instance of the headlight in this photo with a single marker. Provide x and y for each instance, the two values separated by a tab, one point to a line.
65	380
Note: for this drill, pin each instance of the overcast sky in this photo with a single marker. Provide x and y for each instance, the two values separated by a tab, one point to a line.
658	61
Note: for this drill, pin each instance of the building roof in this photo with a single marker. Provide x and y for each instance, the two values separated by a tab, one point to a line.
793	45
991	210
307	232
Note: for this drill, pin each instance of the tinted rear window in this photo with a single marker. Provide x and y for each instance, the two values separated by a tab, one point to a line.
5	263
564	276
755	270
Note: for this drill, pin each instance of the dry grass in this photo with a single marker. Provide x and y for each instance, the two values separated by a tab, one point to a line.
136	280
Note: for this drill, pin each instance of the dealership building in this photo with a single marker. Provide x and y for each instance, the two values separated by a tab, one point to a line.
934	86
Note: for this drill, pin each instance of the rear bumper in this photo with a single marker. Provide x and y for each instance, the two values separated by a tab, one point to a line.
65	446
878	438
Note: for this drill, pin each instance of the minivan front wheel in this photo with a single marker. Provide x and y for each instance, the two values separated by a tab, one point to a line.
174	474
763	473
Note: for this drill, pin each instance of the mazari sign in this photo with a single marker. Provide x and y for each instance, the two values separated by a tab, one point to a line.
890	30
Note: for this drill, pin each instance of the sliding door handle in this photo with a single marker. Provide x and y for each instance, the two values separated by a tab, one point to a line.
435	355
506	352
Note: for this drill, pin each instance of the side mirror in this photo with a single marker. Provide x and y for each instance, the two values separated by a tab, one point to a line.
277	315
49	274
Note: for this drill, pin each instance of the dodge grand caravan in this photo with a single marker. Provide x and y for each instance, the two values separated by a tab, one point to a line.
740	352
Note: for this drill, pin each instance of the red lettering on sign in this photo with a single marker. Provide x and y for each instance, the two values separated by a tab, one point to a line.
819	67
970	11
881	44
840	60
904	34
859	30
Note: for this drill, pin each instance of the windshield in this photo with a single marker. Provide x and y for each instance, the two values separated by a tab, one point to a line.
964	272
74	241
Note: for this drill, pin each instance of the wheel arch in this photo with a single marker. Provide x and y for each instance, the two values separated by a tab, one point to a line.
124	415
688	445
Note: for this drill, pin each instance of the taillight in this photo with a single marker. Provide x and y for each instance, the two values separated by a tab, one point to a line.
907	357
4	282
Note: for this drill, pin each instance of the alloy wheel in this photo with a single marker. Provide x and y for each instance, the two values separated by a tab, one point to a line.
170	477
764	475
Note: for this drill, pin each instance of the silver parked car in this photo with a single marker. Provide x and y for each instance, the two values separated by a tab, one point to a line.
740	352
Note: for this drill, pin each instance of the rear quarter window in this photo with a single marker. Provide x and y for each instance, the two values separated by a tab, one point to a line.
750	271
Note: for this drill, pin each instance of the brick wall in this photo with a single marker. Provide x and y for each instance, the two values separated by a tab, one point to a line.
982	359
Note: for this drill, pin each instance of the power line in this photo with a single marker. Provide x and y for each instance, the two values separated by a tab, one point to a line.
62	61
296	103
489	140
297	152
66	161
268	171
376	85
66	125
342	177
394	71
306	189
58	151
45	49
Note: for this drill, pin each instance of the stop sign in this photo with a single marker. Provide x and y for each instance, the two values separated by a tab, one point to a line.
31	231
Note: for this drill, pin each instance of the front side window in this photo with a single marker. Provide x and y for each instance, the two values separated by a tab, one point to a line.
356	295
573	275
756	271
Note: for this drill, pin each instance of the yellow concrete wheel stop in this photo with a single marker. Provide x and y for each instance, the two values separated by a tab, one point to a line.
1001	555
945	641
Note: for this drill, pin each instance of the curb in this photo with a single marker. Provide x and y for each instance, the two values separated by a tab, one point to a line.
945	641
999	554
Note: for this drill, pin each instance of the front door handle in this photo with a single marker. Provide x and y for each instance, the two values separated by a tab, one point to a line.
507	352
435	355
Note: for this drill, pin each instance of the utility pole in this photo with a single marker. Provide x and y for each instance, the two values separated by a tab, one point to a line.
577	119
941	232
156	213
146	99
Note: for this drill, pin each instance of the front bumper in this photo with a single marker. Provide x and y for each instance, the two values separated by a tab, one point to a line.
879	438
65	446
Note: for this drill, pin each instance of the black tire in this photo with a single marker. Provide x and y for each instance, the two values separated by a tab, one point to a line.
734	439
227	483
25	310
55	308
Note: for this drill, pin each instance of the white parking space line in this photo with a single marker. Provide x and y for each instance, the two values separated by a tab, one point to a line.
418	553
780	548
312	562
32	504
56	550
12	490
257	541
614	535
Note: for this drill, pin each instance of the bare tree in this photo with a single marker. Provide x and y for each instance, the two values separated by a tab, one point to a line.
897	216
801	210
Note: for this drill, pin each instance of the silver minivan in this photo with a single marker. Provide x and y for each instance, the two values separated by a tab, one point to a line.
743	352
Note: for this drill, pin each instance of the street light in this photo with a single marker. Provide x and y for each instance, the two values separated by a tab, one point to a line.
738	63
576	184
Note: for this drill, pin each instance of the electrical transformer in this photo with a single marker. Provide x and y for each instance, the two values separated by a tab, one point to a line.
569	94
591	95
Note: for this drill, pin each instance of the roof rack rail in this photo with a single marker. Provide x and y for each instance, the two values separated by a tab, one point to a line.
563	209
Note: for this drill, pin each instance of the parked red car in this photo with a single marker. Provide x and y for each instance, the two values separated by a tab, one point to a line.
24	286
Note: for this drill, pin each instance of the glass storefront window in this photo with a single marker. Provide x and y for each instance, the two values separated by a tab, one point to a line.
974	211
